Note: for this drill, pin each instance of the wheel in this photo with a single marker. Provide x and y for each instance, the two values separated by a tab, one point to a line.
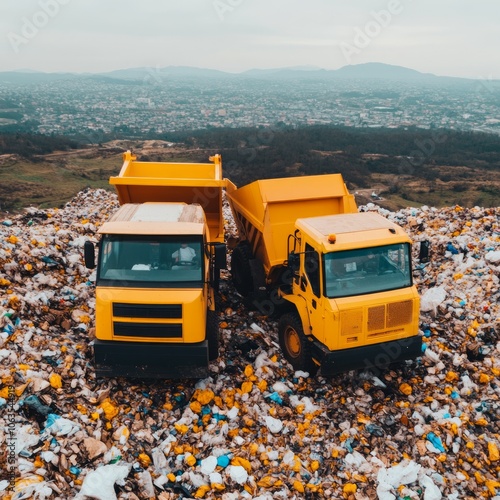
240	269
212	335
294	344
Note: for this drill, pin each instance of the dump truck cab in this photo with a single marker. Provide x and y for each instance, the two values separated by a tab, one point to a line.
353	290
158	270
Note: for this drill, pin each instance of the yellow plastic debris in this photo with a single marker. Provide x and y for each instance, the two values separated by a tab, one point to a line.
20	389
181	428
109	409
266	482
484	379
190	460
481	421
249	489
405	389
493	453
195	406
202	491
360	478
22	483
254	447
144	460
349	488
492	486
203	396
314	465
248	371
55	380
298	486
243	462
262	385
246	387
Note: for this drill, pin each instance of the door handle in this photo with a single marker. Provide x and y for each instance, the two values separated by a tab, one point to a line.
303	283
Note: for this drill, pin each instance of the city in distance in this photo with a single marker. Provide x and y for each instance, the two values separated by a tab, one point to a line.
141	101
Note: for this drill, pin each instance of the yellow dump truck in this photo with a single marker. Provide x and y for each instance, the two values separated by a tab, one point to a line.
158	268
341	280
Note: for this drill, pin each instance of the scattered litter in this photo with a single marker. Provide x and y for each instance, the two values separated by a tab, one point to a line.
99	484
255	428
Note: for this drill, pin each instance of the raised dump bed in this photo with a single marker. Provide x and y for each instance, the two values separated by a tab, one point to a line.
202	183
266	211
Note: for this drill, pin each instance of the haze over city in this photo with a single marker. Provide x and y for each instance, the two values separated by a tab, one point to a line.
452	38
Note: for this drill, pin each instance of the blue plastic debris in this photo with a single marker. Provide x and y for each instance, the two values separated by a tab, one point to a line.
75	470
49	260
435	441
223	461
276	398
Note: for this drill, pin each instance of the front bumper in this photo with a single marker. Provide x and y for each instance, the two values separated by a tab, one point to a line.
371	357
150	359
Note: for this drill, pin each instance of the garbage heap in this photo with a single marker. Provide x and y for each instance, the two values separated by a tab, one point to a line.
427	429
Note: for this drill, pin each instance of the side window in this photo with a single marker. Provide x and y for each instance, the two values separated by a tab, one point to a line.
312	268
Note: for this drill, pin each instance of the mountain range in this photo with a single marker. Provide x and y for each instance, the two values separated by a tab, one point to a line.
366	71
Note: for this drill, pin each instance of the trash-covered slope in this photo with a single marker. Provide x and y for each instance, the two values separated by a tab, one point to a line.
253	429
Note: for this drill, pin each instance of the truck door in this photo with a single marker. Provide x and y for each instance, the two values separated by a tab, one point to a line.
311	286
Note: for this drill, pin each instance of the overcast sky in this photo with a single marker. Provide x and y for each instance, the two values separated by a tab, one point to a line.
445	37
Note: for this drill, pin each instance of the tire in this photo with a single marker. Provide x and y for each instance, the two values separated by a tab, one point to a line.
241	272
212	335
295	345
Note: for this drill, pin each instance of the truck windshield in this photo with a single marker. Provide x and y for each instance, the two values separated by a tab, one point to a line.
367	270
149	260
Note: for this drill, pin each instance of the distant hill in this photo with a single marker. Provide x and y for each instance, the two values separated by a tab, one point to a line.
27	77
169	71
379	71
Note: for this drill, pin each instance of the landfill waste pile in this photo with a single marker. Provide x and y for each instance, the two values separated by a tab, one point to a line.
427	429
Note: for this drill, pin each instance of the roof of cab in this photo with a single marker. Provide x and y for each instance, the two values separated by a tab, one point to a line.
351	230
156	218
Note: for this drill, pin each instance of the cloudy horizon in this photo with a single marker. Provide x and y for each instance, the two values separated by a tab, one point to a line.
453	38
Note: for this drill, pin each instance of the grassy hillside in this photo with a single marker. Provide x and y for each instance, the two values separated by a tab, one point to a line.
403	168
50	180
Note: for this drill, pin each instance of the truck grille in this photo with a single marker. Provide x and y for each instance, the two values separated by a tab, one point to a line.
164	311
390	316
148	330
351	321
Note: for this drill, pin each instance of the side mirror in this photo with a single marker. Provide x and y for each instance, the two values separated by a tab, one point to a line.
220	256
89	254
294	262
